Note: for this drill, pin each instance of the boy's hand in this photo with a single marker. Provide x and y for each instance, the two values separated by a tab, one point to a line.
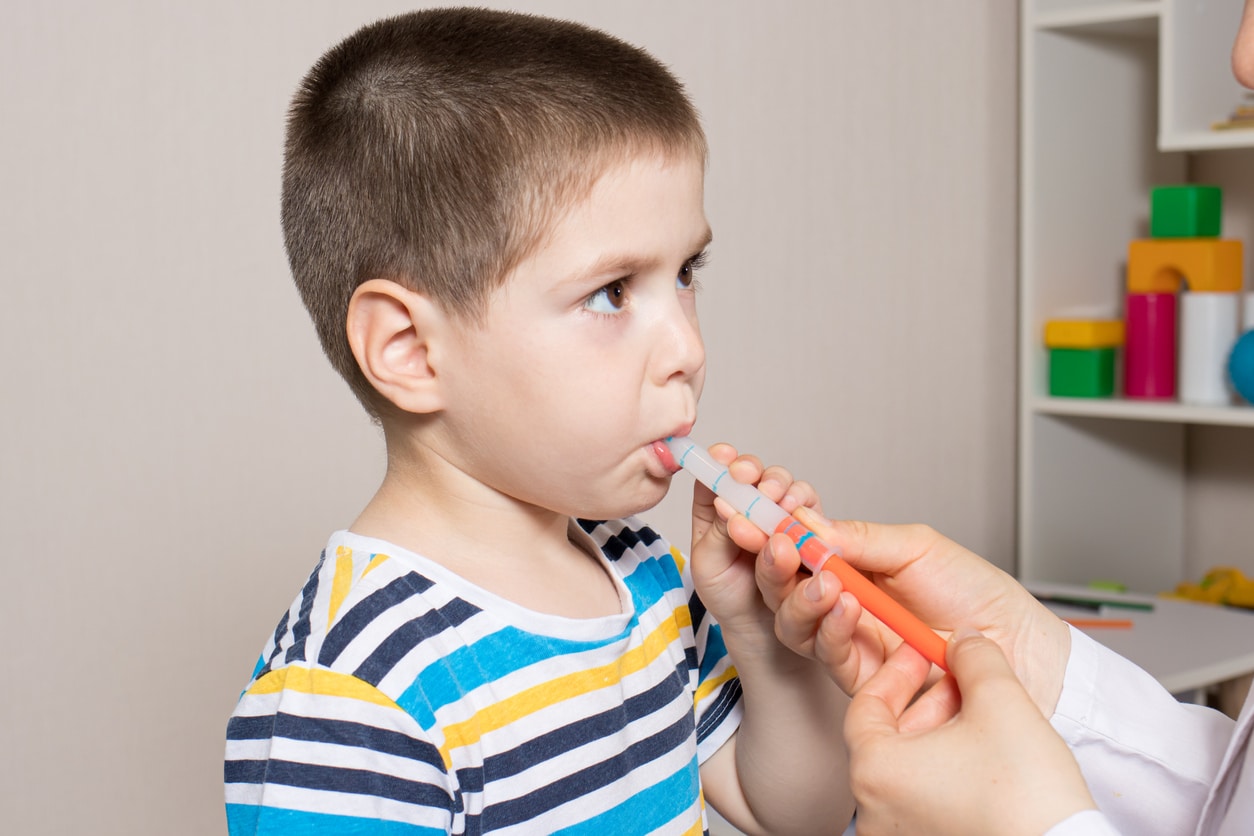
944	584
725	545
994	767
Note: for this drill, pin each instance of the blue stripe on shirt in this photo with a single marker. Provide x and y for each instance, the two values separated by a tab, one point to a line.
645	811
640	817
449	679
715	651
247	820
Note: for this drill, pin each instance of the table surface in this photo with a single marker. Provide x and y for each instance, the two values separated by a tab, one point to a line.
1182	644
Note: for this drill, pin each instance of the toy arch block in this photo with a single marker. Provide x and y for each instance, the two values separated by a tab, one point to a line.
1205	265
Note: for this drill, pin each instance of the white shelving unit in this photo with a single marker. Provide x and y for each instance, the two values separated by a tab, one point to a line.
1117	97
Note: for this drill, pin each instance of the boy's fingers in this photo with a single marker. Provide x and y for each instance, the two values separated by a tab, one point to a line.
743	533
774	482
776	570
800	494
800	615
723	452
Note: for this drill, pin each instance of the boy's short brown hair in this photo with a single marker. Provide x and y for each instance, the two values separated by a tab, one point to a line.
436	148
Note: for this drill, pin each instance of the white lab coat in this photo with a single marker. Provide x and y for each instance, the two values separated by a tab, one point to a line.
1154	765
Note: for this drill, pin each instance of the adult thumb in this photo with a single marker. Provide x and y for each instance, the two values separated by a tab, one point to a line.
980	667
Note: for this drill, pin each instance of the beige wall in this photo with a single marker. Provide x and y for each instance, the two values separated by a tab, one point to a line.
173	450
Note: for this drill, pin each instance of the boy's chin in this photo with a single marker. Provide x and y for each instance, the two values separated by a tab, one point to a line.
641	501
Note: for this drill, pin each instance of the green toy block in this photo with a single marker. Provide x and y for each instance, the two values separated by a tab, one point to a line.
1186	211
1082	372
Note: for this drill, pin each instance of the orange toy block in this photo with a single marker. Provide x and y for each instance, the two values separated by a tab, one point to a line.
1162	265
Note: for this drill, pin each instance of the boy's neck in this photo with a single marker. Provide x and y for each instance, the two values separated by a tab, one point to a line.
515	550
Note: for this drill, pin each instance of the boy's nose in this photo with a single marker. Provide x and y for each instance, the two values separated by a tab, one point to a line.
680	351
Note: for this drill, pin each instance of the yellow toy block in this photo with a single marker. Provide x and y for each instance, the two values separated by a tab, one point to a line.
1083	333
1161	265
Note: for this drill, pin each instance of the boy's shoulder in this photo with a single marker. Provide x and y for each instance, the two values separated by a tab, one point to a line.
355	597
370	607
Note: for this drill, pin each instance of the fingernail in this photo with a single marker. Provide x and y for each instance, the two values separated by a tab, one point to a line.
839	606
963	633
815	588
768	553
814	516
775	487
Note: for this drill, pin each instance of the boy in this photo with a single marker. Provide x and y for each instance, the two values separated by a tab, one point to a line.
495	221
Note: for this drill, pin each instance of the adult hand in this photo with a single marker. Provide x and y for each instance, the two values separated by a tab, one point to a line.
995	767
944	584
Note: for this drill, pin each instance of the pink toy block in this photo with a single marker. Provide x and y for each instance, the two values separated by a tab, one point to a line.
1149	353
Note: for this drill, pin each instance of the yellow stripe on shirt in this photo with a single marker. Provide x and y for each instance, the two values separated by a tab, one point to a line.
320	681
704	689
342	582
501	714
678	557
375	560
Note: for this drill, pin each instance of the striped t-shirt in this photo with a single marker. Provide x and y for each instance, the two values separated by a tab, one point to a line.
396	698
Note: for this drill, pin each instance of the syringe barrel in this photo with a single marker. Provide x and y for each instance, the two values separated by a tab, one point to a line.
815	554
746	499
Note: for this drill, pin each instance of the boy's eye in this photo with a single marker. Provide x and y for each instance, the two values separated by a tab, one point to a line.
688	273
609	299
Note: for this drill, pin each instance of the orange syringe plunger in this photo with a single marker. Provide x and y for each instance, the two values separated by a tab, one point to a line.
815	554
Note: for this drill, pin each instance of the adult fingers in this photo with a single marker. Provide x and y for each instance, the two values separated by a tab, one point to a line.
873	547
874	710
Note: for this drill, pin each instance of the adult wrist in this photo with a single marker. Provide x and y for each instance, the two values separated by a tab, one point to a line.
1043	666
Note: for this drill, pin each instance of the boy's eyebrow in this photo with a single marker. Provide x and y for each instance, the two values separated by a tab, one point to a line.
629	263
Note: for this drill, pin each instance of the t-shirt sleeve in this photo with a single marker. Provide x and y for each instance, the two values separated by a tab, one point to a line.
718	701
1149	759
314	751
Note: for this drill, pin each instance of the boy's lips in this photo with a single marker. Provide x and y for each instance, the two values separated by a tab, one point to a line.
663	451
663	454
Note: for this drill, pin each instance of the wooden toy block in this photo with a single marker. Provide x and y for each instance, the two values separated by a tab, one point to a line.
1186	211
1205	265
1082	372
1083	333
1149	353
1209	324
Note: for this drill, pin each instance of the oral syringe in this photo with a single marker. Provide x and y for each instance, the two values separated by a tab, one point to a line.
815	554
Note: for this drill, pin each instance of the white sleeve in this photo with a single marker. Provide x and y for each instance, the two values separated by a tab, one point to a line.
1149	759
1087	823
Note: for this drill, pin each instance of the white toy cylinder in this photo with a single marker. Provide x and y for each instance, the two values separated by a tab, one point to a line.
1208	328
1247	313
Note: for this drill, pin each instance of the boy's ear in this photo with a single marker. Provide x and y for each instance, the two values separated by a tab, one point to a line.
394	333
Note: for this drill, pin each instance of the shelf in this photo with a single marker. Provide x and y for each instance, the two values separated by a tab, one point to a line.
1237	416
1207	140
1128	19
1117	98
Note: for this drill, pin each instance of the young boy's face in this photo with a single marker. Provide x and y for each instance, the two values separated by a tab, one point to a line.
590	351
